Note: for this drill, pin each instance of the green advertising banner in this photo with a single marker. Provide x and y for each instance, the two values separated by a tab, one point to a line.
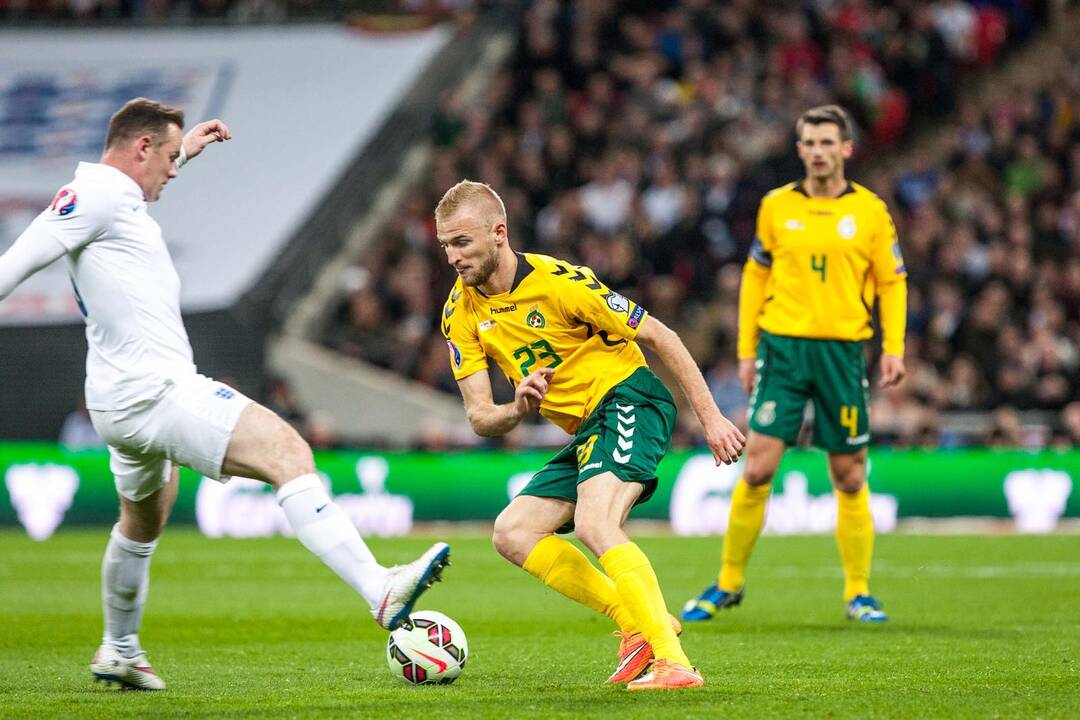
45	487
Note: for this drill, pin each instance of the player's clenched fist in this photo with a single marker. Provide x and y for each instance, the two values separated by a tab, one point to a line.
530	392
725	440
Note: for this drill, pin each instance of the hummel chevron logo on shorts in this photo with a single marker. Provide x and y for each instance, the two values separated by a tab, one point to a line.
626	433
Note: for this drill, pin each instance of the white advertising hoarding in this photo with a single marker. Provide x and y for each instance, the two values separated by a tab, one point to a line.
301	102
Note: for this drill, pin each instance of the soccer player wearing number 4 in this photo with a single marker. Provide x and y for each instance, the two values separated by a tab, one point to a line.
569	345
150	404
825	248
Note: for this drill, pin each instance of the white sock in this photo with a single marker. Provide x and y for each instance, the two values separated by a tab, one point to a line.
324	529
125	582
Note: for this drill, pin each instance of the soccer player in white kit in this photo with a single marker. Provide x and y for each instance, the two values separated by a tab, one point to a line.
150	404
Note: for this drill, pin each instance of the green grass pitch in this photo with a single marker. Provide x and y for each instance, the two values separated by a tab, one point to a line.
981	627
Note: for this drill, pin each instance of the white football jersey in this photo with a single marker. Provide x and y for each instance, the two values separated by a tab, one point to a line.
126	286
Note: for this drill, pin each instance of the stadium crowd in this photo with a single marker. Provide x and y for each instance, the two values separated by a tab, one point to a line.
153	12
639	143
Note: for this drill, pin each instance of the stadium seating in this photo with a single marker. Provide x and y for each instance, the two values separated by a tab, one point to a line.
640	144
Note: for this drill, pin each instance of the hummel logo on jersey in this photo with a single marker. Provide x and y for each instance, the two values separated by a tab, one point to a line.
793	224
504	309
454	296
578	276
626	417
224	393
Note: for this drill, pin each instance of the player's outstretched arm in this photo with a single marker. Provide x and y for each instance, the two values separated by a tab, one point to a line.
198	137
487	418
724	439
31	252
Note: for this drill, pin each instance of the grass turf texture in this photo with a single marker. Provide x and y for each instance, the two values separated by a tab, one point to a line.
981	627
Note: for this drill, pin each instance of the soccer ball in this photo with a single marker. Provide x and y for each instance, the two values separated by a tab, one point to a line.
432	651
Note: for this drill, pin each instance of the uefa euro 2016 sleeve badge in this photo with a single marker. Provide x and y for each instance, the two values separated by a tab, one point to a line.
455	353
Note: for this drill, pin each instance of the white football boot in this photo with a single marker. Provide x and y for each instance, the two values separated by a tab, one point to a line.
405	583
134	673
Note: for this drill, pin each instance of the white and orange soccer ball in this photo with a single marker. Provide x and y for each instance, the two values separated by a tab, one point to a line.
432	651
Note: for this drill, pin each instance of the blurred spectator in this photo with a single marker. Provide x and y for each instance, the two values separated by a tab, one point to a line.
244	11
1069	429
278	397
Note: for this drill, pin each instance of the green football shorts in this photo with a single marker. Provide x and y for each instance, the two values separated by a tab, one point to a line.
832	373
627	434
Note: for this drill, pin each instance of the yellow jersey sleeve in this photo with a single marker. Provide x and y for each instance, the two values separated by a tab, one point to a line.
890	277
887	259
755	280
591	302
764	242
459	328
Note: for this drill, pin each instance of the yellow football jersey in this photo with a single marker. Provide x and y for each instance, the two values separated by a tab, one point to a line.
555	315
826	259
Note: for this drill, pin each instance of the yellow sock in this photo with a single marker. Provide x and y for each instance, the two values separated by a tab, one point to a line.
561	566
855	538
640	593
744	525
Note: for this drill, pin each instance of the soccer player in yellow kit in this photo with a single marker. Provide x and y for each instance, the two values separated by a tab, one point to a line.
570	347
825	248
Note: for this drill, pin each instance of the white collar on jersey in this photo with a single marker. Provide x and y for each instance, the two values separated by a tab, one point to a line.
109	174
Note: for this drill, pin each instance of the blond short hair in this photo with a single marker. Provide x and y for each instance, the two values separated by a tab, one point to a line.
467	192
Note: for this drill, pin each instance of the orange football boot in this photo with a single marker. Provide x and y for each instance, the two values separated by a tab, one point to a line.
667	674
635	654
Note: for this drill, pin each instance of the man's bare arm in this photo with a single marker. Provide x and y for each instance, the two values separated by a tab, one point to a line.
724	439
489	419
198	137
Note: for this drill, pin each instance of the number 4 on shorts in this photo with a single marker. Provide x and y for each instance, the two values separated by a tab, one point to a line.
849	418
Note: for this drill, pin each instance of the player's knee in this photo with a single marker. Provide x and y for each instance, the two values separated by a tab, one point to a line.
593	532
850	475
507	536
757	473
850	482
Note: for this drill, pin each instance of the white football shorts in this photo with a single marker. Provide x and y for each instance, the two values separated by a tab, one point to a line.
189	424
